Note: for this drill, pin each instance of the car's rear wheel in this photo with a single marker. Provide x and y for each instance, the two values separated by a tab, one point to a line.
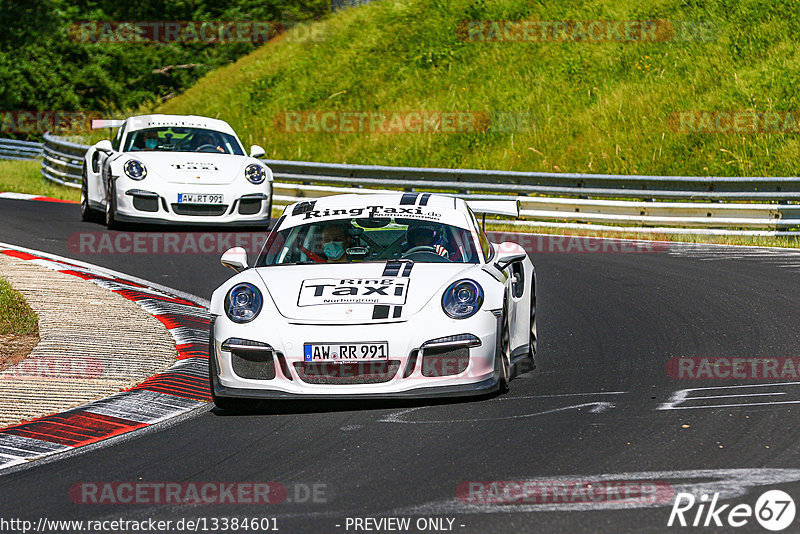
502	357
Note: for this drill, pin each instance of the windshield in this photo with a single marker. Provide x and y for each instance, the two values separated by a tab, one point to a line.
179	139
369	239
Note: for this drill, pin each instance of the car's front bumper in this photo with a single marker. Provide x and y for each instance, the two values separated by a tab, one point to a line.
485	387
412	371
139	202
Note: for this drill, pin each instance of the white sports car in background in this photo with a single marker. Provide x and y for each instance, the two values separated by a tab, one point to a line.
174	169
384	295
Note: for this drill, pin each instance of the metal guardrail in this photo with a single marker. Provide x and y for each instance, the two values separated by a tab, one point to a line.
13	149
62	161
655	203
652	204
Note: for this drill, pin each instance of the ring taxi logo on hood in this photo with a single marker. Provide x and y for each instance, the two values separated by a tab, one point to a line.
353	291
191	167
372	212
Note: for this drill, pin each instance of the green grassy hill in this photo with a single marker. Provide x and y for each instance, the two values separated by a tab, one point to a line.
597	107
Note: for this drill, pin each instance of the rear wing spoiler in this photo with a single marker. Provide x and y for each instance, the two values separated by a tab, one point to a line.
106	123
509	208
495	207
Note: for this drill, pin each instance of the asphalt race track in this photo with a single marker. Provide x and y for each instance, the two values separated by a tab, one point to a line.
600	404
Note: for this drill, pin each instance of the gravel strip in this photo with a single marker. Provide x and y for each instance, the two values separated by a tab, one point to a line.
93	343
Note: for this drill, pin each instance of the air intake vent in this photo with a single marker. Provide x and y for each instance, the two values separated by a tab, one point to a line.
200	210
149	204
256	365
347	373
443	361
249	206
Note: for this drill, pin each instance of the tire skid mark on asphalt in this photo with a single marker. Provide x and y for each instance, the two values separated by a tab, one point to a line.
181	388
595	407
779	257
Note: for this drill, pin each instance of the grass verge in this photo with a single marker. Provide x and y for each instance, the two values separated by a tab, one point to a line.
16	317
24	176
19	326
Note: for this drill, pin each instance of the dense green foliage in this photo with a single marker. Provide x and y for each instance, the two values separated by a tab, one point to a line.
43	68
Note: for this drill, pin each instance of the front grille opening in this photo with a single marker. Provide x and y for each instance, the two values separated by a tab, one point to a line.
200	210
249	206
347	373
149	204
444	361
256	365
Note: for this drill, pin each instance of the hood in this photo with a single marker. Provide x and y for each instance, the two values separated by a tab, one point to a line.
357	292
191	168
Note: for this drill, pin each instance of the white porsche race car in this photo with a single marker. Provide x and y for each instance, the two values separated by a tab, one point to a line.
384	295
174	169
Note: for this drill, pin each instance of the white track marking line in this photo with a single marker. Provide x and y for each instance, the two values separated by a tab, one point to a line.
741	395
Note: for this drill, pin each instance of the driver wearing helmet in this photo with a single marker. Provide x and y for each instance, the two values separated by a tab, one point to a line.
205	139
425	234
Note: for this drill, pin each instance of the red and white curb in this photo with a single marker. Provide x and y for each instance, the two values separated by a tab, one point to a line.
26	196
181	388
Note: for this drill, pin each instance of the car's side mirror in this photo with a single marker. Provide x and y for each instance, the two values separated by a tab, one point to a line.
235	258
257	152
104	146
504	259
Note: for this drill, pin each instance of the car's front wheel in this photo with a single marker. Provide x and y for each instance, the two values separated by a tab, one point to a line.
111	206
534	337
502	357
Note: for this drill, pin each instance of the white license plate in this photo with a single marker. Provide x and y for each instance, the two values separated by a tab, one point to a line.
199	198
345	352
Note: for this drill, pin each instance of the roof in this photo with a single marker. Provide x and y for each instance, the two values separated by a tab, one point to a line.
421	206
140	122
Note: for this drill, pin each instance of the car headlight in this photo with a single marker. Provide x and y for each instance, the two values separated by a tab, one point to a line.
462	299
135	169
243	303
255	173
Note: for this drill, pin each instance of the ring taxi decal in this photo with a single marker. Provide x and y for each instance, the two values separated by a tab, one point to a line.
353	291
